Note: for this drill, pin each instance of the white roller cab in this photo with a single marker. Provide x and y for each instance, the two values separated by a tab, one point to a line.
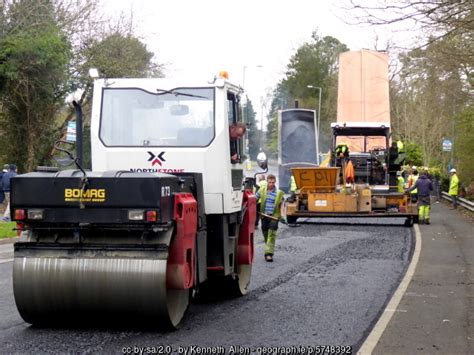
158	125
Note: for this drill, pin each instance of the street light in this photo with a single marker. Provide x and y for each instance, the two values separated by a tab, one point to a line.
263	104
318	119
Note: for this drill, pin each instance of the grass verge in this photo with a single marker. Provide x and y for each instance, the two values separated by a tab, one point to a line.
6	230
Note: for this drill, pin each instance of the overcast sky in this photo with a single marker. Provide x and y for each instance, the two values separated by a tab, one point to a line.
198	38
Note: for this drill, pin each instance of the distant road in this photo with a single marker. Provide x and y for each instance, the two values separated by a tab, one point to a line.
6	252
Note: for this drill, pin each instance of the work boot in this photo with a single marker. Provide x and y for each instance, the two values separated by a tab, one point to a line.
427	221
421	221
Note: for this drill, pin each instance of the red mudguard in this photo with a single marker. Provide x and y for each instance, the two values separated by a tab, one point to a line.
181	259
245	248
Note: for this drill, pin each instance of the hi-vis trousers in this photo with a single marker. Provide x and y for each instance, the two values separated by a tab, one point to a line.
269	230
424	208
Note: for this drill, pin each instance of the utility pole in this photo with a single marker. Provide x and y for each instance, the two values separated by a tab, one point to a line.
262	138
245	112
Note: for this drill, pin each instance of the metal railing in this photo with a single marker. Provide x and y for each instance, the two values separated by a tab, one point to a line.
469	205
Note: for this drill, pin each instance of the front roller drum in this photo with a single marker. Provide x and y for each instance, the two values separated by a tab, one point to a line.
60	289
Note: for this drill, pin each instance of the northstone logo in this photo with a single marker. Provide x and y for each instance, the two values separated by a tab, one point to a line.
156	159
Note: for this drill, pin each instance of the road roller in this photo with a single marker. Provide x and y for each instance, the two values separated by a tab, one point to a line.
163	216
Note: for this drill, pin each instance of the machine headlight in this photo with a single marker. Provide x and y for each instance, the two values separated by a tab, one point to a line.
35	214
136	215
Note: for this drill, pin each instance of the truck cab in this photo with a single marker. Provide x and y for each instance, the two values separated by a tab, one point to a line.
368	150
162	125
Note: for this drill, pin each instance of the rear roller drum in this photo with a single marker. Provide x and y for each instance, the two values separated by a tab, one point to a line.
58	290
240	282
226	287
223	287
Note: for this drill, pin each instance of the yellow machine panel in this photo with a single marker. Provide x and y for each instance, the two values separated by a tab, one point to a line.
345	202
321	202
397	203
364	203
379	202
316	178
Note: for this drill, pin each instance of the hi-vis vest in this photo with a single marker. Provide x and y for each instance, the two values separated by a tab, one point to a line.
400	146
293	186
261	184
263	199
411	181
401	184
454	185
342	149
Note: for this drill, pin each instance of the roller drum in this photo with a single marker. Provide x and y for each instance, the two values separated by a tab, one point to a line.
51	289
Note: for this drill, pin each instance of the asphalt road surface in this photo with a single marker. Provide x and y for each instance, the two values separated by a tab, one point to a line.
327	286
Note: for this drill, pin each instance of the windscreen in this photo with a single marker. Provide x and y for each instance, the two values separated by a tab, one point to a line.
175	118
362	144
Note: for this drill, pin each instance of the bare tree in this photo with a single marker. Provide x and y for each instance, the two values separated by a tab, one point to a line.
433	83
105	44
435	18
46	50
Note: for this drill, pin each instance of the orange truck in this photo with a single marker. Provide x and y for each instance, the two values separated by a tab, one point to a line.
360	178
